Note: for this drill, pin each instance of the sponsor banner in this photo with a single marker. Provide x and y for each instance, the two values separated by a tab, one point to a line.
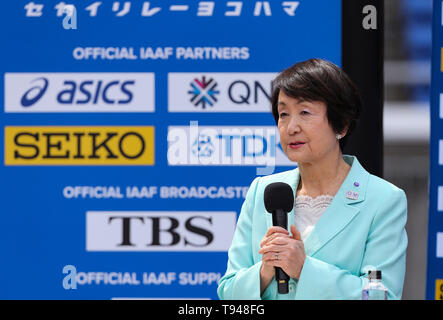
97	124
441	105
79	146
439	245
435	221
440	152
79	92
441	60
159	231
225	146
438	289
220	92
440	199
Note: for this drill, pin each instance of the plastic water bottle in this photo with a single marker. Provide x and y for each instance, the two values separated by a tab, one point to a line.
374	289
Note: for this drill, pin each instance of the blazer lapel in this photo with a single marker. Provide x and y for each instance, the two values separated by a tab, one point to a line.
342	210
333	220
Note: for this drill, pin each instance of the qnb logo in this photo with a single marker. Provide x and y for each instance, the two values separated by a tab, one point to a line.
34	94
220	92
203	92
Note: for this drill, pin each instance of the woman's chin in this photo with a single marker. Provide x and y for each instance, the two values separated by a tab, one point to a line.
294	157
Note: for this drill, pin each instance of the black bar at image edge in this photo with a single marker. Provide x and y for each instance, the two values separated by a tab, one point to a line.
206	309
362	60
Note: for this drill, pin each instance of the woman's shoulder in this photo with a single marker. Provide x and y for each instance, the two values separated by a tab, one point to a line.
379	183
386	201
374	185
384	188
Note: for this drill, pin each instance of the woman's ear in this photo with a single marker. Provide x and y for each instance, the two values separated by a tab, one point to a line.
344	132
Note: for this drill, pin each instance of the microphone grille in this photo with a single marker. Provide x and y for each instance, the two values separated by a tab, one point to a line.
278	195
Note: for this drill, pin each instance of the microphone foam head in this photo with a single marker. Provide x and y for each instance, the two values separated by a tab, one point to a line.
279	195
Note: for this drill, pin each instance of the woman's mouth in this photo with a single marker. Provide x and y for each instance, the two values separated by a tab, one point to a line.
296	145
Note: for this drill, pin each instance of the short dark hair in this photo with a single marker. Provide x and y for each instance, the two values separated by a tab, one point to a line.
321	80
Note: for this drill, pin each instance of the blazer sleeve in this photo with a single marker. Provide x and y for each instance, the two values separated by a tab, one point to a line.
385	250
242	278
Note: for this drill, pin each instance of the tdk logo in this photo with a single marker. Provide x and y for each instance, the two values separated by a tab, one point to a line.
79	92
220	92
225	146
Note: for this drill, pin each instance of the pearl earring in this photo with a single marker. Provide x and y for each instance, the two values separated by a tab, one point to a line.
338	136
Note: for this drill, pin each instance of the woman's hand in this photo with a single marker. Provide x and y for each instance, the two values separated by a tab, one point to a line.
267	270
279	249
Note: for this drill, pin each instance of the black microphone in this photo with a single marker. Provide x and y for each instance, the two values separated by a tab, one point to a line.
279	200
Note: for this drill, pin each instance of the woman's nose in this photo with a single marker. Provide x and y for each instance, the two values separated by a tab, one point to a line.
293	126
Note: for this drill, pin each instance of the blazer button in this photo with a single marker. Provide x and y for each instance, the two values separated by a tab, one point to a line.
291	287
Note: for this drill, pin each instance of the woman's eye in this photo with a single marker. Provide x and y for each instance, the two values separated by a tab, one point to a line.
304	113
283	114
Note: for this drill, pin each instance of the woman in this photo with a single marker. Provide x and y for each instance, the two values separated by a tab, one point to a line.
345	221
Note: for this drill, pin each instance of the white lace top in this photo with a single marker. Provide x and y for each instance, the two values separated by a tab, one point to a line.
307	212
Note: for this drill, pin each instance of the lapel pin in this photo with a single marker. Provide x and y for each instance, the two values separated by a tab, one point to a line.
352	195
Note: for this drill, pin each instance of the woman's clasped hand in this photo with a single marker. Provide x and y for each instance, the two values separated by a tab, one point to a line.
282	249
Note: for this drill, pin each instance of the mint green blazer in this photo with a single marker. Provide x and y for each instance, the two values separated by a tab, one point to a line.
362	229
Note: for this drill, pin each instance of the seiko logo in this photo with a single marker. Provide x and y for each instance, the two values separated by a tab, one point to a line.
159	231
79	145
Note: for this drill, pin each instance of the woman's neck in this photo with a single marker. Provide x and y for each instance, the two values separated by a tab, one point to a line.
322	177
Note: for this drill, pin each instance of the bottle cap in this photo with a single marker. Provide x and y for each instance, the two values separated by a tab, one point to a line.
374	274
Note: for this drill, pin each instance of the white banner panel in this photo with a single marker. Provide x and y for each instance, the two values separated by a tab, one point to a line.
79	92
159	230
220	92
439	244
225	146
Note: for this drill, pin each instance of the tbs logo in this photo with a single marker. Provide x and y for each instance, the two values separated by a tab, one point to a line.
79	92
159	230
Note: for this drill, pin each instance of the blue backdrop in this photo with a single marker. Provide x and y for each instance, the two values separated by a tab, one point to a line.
105	192
434	286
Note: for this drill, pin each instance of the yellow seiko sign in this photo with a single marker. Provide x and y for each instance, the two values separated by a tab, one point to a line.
438	289
79	145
